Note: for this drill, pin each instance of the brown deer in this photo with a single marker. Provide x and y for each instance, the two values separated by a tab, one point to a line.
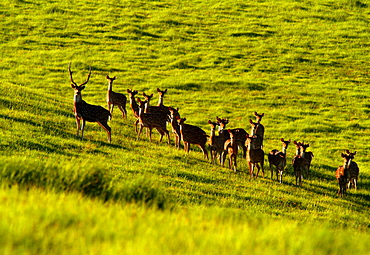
161	94
115	99
278	159
257	129
150	121
215	144
353	171
174	115
297	163
192	135
307	158
231	147
255	156
342	173
87	112
156	109
134	106
240	134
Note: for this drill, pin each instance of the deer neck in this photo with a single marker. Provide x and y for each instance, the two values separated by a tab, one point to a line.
133	103
109	92
146	108
160	101
303	153
284	150
212	135
77	97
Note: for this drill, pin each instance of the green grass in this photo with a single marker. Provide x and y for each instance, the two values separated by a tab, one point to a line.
304	64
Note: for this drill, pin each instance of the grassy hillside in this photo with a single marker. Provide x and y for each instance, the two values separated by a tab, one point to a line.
303	63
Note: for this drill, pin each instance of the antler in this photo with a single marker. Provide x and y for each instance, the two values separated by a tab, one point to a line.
70	74
88	77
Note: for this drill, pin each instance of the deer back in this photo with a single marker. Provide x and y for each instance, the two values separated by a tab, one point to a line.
93	113
193	134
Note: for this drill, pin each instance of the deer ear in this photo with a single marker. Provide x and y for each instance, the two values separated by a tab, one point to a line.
355	153
250	121
114	77
73	86
107	76
282	139
255	113
209	122
158	90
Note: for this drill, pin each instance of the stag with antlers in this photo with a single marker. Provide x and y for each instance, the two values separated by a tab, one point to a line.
88	112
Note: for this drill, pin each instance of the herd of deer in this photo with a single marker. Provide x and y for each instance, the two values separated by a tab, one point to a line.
226	143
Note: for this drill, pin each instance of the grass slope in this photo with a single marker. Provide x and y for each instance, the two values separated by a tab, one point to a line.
304	64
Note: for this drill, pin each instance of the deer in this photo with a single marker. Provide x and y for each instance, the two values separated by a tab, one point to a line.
240	134
88	112
342	173
150	121
161	94
257	129
115	99
353	171
215	144
155	109
174	114
278	159
307	158
134	106
231	147
255	155
191	134
297	163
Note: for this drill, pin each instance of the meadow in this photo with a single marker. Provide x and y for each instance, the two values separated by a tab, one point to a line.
302	63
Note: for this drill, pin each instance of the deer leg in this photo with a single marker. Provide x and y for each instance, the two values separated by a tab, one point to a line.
244	150
272	171
107	128
150	134
83	128
167	135
263	170
136	123
123	110
139	132
223	158
251	169
235	164
78	122
204	150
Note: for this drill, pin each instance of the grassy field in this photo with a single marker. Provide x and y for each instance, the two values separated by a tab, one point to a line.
302	63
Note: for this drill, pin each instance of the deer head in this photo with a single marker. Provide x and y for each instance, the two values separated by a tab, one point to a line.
258	116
